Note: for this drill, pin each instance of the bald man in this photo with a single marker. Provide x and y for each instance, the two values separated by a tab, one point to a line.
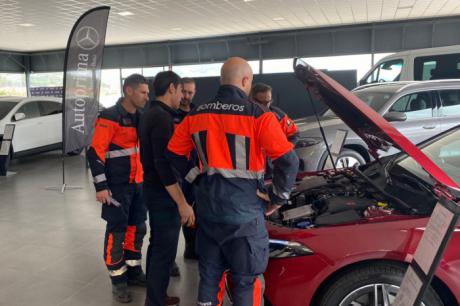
230	135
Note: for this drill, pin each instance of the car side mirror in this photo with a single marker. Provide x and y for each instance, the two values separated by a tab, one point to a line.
19	116
395	116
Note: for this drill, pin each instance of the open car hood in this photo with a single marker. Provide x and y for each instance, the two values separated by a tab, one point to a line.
378	133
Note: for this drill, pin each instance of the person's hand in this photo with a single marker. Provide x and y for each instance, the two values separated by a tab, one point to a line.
271	208
104	196
187	216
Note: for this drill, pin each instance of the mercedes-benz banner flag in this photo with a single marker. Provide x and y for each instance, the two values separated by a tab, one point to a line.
82	78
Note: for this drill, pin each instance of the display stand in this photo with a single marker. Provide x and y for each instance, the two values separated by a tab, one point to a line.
336	148
430	250
5	148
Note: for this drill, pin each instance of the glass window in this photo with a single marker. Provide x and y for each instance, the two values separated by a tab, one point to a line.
110	87
46	79
388	71
376	100
31	110
278	65
50	108
152	71
201	70
437	67
415	106
360	62
13	84
450	102
126	72
5	108
255	65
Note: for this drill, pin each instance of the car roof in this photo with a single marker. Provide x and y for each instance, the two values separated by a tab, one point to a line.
35	98
393	87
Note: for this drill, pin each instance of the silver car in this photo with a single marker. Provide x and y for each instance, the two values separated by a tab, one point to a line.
418	109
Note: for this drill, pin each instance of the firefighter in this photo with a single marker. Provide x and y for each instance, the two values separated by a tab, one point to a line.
165	201
230	135
117	172
262	93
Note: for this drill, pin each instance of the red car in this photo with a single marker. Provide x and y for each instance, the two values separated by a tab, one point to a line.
348	235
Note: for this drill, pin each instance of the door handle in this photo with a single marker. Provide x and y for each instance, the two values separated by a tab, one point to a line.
429	127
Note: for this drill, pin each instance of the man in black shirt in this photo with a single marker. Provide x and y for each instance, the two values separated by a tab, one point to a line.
167	206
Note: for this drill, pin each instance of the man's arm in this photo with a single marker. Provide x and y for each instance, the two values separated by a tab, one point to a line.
159	137
103	134
285	161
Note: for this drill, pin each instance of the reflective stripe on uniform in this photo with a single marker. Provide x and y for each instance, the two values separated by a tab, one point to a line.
100	178
281	195
192	174
199	148
236	173
133	262
119	271
121	152
240	152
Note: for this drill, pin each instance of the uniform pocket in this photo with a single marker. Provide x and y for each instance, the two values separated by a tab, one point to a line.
258	252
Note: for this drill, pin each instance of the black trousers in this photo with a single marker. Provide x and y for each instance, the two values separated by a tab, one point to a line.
165	226
125	232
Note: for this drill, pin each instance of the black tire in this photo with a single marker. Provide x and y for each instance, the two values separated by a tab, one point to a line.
375	273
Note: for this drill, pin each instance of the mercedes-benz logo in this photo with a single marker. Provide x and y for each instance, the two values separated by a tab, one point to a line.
87	38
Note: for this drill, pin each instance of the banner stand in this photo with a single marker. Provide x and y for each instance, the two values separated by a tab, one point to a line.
82	80
64	186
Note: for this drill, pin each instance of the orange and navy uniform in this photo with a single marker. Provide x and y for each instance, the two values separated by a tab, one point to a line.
115	165
287	124
231	137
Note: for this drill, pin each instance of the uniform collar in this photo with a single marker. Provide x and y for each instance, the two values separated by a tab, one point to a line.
122	110
165	107
230	91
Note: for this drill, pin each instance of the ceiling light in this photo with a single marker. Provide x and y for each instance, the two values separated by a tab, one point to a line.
176	29
125	13
405	7
26	25
248	0
278	19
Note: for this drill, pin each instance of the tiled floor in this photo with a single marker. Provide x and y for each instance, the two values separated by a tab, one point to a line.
51	243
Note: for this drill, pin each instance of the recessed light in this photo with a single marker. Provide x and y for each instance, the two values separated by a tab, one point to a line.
405	7
176	29
278	19
26	25
125	13
248	0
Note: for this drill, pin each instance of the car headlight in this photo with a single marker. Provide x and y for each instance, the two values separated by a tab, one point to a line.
285	249
308	142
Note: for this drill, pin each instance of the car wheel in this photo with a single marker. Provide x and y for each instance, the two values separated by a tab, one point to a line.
373	285
349	158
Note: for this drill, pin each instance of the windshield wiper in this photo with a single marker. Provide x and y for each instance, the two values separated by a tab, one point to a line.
399	201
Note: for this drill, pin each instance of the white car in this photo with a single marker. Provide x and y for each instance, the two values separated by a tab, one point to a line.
37	120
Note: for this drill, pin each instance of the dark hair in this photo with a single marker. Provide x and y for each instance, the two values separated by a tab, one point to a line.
163	80
133	81
188	81
260	87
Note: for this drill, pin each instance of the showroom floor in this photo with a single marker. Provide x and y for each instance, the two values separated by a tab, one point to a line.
51	243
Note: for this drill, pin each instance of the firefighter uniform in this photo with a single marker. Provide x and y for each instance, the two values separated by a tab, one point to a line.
231	136
115	165
287	124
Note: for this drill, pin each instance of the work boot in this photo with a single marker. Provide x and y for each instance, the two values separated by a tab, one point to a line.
175	272
120	293
137	280
171	300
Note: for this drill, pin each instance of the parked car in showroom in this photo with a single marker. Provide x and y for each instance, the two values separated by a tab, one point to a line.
347	235
419	110
37	120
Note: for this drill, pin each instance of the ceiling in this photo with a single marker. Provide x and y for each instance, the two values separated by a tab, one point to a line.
32	25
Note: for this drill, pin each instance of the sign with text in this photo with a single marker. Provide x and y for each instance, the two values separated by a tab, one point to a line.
82	78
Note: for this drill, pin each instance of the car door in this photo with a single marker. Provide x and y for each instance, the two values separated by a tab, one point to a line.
420	109
449	111
51	118
29	132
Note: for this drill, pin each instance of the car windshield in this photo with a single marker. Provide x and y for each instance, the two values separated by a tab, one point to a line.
5	108
375	99
444	152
